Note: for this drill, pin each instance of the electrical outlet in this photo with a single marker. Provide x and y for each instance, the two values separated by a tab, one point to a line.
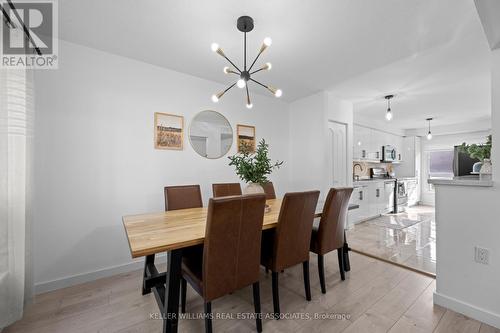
481	255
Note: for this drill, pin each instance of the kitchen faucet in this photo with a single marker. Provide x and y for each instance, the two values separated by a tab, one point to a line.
354	176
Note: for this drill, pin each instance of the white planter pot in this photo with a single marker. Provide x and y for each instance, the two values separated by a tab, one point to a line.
253	188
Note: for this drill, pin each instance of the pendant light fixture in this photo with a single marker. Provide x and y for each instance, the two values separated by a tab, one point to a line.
245	24
388	114
429	134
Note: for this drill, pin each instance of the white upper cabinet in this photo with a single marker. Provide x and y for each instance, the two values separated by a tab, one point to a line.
411	157
361	141
367	143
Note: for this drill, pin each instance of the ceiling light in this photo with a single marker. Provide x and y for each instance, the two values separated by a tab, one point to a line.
429	134
245	24
388	114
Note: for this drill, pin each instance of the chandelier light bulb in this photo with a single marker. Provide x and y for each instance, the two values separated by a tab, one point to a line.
278	93
269	66
268	41
215	99
388	115
249	106
429	136
226	70
241	83
214	47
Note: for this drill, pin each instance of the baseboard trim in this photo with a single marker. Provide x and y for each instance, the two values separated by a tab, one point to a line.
42	287
467	309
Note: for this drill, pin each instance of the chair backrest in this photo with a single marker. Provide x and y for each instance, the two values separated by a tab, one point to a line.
333	219
269	190
293	232
226	189
231	253
181	197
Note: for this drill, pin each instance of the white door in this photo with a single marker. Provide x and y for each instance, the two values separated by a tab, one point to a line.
338	143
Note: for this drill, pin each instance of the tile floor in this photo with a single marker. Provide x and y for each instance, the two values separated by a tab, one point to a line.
413	246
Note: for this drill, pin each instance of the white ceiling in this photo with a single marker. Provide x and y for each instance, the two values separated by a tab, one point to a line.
431	52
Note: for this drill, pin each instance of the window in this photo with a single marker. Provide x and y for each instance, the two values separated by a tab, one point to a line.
441	164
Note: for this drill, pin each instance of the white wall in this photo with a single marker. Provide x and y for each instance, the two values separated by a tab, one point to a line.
95	160
309	147
468	217
443	142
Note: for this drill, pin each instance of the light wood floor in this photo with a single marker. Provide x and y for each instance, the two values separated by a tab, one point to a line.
414	246
376	297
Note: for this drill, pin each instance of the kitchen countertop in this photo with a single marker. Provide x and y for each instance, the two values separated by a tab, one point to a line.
372	180
462	181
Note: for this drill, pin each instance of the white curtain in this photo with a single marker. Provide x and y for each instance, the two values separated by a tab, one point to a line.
16	138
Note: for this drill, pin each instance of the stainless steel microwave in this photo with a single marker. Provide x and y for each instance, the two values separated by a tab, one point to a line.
389	153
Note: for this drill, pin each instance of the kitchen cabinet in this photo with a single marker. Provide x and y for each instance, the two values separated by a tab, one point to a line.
374	198
361	139
368	143
358	197
412	189
411	155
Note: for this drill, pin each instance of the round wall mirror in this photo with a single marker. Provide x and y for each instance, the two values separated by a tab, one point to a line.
210	134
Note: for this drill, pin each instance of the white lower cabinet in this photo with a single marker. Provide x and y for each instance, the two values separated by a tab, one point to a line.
374	198
358	197
412	190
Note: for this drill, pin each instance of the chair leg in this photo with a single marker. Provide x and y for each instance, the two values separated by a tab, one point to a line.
340	254
208	317
256	303
183	295
276	296
321	271
307	284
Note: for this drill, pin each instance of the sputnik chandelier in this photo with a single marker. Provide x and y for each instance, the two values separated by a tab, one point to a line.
245	24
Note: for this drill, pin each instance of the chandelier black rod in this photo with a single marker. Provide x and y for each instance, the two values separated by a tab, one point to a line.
225	57
253	63
245	51
259	83
260	69
229	88
248	95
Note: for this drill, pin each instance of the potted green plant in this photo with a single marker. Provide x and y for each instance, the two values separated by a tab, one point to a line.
482	152
253	168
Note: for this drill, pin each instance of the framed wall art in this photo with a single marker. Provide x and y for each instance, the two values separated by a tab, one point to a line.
169	131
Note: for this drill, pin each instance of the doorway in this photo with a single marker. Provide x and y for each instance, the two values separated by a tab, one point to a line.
337	133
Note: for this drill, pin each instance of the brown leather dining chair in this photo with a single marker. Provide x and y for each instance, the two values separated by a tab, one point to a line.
176	197
329	235
226	189
182	197
269	190
288	244
229	258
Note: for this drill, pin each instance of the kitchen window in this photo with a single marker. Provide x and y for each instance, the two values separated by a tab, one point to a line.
440	165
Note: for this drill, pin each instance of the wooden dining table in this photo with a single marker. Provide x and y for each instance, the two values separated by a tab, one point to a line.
172	231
